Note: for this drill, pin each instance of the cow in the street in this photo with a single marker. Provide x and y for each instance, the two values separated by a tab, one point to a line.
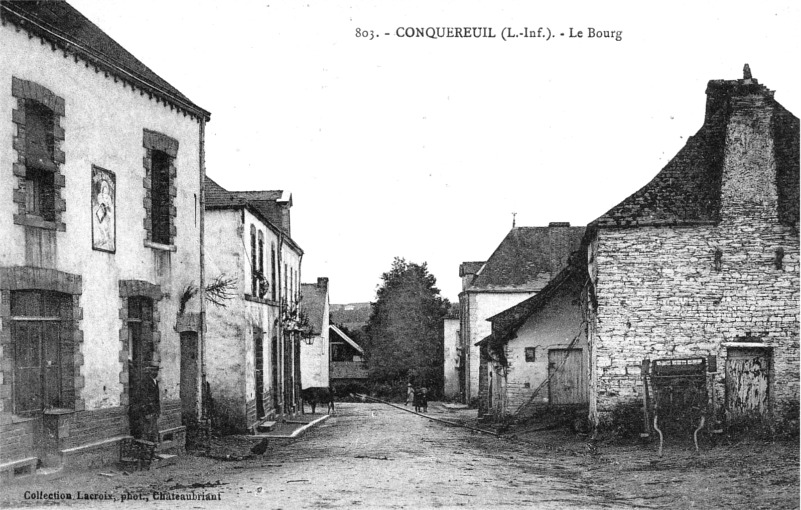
317	395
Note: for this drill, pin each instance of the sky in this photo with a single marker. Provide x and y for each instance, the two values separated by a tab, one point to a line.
424	148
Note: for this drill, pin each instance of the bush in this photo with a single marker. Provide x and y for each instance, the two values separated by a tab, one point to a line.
625	421
788	419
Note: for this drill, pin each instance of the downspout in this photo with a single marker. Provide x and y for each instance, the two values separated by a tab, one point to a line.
202	287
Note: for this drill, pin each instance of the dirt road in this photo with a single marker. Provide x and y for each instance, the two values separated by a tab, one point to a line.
374	456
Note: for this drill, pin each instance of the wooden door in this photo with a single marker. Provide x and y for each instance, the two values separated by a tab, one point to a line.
566	384
747	384
258	348
140	352
189	377
275	366
36	332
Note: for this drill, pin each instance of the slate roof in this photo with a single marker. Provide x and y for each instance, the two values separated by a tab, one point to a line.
507	322
528	258
314	296
62	25
687	191
218	197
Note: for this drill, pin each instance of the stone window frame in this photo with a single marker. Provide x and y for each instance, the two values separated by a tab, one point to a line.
29	278
24	91
129	289
154	141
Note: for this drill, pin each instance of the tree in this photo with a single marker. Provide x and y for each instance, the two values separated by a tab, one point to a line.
404	332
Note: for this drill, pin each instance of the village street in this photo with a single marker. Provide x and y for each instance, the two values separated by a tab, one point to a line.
375	456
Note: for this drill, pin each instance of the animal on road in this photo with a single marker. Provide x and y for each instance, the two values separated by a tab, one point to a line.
317	395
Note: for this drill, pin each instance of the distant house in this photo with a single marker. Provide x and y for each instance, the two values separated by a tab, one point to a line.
703	262
347	359
538	350
315	349
452	354
100	178
525	261
253	358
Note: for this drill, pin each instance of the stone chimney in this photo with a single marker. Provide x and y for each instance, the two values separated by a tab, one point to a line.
322	282
748	188
720	92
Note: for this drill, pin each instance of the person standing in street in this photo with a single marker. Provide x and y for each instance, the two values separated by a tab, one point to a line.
409	393
151	407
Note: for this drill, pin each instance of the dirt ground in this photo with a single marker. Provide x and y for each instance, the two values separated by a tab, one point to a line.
375	456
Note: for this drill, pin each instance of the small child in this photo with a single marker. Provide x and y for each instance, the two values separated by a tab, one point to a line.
424	399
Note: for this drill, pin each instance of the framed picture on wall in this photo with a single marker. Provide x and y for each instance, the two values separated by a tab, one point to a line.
104	210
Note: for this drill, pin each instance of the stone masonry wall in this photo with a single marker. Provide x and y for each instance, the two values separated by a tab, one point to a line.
667	292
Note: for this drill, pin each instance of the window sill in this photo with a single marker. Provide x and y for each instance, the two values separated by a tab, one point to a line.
159	246
58	411
30	220
263	301
15	418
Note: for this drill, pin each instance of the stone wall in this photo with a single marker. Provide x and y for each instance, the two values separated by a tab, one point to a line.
668	292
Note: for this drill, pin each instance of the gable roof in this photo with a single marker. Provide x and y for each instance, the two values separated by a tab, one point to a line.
507	322
346	338
217	197
688	190
314	298
64	27
528	258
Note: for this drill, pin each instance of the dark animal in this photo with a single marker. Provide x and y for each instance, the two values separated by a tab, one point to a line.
317	395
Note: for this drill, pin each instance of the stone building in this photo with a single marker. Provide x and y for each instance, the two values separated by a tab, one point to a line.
703	261
521	266
538	350
99	215
253	361
452	352
315	351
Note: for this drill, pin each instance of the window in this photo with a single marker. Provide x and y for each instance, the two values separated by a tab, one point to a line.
41	335
272	271
160	198
286	284
39	138
160	189
40	194
262	281
254	278
531	354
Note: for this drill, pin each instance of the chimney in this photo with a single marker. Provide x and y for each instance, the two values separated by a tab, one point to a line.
322	282
285	223
559	224
720	92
